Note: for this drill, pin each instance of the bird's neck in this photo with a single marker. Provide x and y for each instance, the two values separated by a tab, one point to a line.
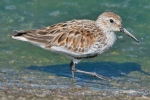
111	38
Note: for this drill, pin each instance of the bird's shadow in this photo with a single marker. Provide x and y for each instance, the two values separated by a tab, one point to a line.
106	69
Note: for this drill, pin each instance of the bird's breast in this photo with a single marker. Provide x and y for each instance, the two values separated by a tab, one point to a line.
103	44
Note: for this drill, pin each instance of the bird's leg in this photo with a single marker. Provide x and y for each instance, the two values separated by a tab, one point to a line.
72	65
93	74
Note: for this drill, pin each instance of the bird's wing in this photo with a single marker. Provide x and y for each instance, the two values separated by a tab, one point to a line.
72	37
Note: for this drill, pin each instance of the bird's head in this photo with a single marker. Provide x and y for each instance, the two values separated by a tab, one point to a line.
111	22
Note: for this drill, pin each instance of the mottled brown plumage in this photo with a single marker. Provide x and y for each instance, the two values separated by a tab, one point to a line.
76	36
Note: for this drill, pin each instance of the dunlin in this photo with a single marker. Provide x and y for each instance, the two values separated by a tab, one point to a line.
77	39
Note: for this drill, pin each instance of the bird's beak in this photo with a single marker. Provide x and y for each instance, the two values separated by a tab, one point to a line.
128	33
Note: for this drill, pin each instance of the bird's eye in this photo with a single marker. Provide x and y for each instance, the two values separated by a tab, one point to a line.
111	20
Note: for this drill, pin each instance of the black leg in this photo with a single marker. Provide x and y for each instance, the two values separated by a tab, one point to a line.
93	74
72	66
73	69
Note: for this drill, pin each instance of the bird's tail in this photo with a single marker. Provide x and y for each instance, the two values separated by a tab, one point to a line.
18	35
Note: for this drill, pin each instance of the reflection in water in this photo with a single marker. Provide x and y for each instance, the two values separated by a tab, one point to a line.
108	69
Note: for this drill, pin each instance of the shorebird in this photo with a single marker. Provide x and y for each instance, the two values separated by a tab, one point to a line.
77	39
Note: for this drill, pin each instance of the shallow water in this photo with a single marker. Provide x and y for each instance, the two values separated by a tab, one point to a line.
127	62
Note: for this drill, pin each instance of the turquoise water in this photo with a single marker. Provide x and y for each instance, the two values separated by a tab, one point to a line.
127	59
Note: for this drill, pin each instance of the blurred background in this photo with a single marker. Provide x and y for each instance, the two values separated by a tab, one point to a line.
126	60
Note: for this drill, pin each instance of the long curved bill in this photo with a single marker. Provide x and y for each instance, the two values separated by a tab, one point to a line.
128	33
